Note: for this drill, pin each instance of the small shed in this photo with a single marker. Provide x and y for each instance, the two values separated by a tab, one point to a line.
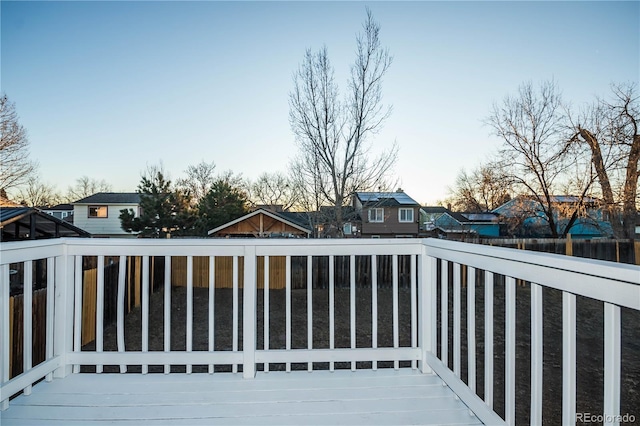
262	223
26	223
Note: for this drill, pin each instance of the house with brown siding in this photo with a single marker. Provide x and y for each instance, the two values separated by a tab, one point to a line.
387	214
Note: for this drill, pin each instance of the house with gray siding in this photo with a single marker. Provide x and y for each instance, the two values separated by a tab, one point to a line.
99	213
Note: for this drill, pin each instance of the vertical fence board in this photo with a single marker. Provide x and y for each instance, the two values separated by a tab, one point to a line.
510	351
457	318
99	313
488	338
568	358
612	352
212	305
122	264
49	312
267	284
536	354
310	307
168	262
6	323
374	305
471	328
444	316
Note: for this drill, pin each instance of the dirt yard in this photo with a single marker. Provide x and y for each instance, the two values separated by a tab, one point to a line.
590	350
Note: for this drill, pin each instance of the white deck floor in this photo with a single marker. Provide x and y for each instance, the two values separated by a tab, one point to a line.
299	397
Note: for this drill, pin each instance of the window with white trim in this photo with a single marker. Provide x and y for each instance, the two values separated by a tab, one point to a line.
98	211
405	215
376	215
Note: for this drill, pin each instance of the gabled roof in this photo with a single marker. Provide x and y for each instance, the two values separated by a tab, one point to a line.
16	224
274	215
59	207
443	210
481	217
301	218
111	198
520	202
386	199
434	209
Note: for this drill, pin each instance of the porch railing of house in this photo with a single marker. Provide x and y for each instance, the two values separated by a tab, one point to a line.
430	289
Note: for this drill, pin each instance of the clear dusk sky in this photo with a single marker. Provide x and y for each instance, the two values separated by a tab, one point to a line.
105	88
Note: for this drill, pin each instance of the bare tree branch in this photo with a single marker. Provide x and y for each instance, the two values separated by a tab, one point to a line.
15	166
536	150
333	135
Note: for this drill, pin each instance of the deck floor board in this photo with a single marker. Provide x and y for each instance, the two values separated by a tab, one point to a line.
321	397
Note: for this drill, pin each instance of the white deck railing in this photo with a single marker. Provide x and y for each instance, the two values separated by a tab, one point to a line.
429	289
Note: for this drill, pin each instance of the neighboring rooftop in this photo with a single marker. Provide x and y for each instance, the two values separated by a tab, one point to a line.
27	223
111	198
386	199
443	210
64	206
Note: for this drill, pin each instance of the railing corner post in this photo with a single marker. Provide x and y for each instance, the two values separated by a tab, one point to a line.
427	280
63	312
249	312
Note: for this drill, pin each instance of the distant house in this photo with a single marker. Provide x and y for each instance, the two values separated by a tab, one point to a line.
387	214
61	211
263	223
484	224
325	222
27	223
99	213
524	217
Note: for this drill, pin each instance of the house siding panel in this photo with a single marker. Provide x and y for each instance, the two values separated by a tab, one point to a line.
102	226
391	225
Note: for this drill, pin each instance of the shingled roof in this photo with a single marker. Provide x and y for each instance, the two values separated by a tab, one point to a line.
111	198
386	199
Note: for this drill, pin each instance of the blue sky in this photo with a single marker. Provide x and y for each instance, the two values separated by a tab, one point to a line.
105	88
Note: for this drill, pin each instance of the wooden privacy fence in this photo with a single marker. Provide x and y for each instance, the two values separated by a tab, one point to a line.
16	330
89	285
621	251
277	267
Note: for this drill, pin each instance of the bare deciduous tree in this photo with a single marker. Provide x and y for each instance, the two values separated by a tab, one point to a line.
483	189
274	189
36	193
334	134
536	153
15	166
609	130
199	180
86	186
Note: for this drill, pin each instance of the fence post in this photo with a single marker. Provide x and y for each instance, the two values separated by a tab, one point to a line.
63	314
427	320
249	323
5	333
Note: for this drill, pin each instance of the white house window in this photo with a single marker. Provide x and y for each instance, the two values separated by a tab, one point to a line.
98	211
405	215
376	215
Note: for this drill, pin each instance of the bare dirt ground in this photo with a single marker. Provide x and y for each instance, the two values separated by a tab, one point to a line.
590	349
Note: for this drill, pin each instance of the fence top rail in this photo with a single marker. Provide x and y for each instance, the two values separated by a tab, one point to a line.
25	250
607	281
21	251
